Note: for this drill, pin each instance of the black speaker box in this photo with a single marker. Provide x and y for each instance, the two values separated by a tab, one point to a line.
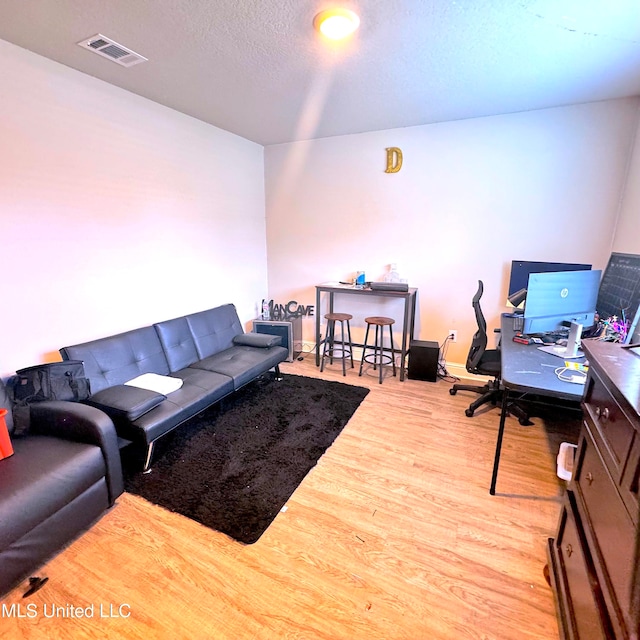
423	360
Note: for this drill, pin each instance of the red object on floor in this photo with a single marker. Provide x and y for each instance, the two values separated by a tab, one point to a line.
6	448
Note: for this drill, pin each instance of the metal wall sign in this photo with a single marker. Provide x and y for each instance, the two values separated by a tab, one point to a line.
290	310
394	160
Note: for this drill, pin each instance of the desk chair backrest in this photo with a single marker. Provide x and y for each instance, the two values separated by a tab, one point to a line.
479	342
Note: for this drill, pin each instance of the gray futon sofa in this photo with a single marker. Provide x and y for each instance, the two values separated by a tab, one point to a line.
208	351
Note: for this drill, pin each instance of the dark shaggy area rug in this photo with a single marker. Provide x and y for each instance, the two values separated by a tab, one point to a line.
235	466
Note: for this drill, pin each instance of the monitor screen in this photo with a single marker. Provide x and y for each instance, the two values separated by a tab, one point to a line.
559	297
521	269
634	333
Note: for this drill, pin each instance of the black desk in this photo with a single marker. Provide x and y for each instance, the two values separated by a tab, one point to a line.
526	369
408	322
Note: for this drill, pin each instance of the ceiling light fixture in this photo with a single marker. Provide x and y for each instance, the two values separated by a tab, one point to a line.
336	23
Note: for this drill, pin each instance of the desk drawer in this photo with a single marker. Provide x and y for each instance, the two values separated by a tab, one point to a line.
608	523
583	612
611	423
630	486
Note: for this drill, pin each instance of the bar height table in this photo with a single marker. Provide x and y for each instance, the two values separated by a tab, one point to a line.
408	321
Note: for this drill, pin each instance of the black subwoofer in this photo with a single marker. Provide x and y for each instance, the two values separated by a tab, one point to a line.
423	360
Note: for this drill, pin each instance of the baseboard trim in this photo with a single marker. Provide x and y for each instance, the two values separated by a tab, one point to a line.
454	369
460	371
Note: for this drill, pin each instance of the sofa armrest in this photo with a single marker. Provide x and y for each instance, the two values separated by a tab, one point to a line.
81	423
261	340
124	401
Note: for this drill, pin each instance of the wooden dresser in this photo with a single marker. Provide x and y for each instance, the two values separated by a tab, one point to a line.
593	559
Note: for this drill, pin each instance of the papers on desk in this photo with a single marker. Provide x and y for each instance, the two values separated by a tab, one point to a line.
341	285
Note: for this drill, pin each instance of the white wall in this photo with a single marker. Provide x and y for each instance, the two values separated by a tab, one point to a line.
471	196
627	238
116	212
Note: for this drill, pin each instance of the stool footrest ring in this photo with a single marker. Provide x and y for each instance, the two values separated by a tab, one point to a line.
376	359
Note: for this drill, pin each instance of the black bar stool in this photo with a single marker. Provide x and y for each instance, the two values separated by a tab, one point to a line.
345	348
379	359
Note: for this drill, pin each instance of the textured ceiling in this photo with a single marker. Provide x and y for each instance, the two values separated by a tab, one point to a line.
256	67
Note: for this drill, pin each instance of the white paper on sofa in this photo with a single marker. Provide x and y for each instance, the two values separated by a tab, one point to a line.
155	382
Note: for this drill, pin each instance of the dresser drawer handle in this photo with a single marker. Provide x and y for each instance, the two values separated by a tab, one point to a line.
569	550
602	413
589	478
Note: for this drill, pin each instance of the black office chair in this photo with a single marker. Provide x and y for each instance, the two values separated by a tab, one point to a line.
485	362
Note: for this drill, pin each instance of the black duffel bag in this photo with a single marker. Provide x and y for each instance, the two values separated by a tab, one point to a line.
52	381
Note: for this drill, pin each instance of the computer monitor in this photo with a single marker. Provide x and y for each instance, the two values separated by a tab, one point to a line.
633	335
522	269
560	297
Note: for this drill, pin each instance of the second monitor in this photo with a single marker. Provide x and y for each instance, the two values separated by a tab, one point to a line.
522	269
558	298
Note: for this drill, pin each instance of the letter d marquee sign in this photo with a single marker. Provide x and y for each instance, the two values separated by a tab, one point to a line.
394	160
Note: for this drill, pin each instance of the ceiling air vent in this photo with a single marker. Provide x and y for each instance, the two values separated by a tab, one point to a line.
107	48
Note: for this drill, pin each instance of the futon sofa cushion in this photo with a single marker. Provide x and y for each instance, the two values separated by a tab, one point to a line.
213	340
119	358
177	342
199	335
242	363
213	330
199	390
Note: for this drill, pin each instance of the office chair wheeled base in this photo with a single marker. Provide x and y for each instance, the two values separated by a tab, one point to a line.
490	392
515	410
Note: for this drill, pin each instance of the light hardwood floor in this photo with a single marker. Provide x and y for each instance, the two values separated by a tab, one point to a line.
393	535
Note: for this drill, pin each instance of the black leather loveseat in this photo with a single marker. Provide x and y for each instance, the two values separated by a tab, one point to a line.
207	351
64	473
